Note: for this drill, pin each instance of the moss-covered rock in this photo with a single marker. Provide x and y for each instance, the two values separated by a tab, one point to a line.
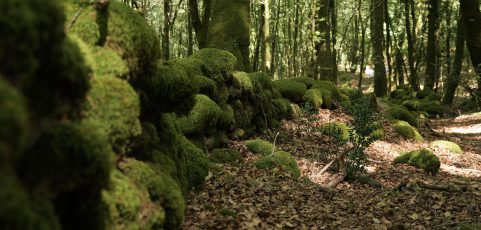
291	90
130	207
412	105
279	158
423	93
260	146
219	63
206	85
116	106
263	78
400	113
407	131
433	108
447	145
162	190
336	129
314	97
329	86
327	98
197	163
282	109
307	81
422	158
202	119
226	156
242	81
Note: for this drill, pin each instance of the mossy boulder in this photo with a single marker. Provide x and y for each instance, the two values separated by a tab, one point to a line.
400	113
242	81
433	108
291	90
219	63
116	106
412	105
202	119
422	158
407	131
327	98
314	97
282	159
263	78
307	81
130	207
423	93
206	85
447	145
282	109
336	129
226	156
162	190
260	146
197	163
329	86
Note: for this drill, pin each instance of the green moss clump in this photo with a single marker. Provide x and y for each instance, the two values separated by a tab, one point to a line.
412	105
226	156
304	80
329	86
206	86
423	93
422	158
219	63
109	63
162	189
407	131
263	78
169	89
202	119
226	119
130	207
14	123
279	158
115	104
433	96
260	146
400	113
282	109
242	81
327	97
314	97
336	129
447	145
399	93
197	163
433	108
291	90
193	66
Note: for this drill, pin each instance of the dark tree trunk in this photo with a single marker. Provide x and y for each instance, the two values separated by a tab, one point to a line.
432	66
166	31
380	81
452	81
323	47
413	77
472	24
201	26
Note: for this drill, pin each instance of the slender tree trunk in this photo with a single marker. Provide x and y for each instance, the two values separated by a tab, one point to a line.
452	81
432	66
166	30
448	11
201	26
413	77
259	38
388	43
190	33
380	81
362	66
323	46
266	46
296	45
472	24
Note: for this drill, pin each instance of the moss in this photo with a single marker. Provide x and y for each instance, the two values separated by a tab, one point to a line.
238	134
162	190
378	133
202	119
226	119
279	158
400	113
109	63
128	34
263	78
433	96
115	104
314	97
399	93
197	163
423	93
422	158
206	85
336	129
412	105
242	81
329	86
260	146
130	207
447	145
291	90
282	108
433	108
169	89
14	123
193	66
219	63
327	98
304	80
226	156
407	131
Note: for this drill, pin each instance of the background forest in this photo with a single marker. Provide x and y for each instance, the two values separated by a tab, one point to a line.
273	114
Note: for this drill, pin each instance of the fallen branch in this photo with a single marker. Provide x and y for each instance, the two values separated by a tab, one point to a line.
323	170
445	188
338	179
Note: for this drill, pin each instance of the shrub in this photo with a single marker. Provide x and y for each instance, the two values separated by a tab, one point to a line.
116	106
290	89
447	145
202	119
422	158
407	131
282	159
226	156
260	146
399	113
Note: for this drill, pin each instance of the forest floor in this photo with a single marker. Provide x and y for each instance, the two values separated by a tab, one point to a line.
249	198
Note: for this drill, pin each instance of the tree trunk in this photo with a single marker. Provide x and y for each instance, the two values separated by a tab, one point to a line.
230	30
388	42
166	31
472	24
190	34
296	45
432	66
453	78
380	81
323	46
259	38
412	77
201	26
266	35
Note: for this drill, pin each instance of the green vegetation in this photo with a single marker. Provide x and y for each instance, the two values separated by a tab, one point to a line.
226	156
282	108
197	163
422	158
407	131
336	129
202	119
218	62
260	146
307	81
447	145
291	90
400	113
314	97
282	159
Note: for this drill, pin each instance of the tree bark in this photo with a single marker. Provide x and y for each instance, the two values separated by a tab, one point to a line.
201	26
432	66
266	39
472	28
166	31
413	77
380	81
452	81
